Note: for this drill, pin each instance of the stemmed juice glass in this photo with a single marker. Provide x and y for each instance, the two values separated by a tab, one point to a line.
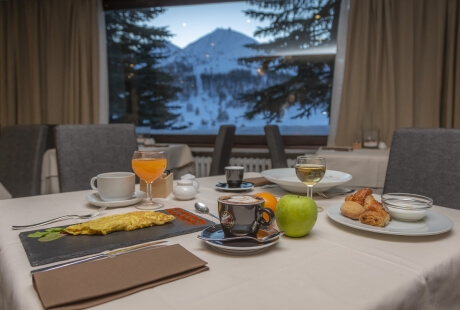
310	170
149	166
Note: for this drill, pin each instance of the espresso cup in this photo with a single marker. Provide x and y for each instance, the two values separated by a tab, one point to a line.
242	215
114	186
234	175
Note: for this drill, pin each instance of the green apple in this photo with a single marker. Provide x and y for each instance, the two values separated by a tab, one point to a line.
296	215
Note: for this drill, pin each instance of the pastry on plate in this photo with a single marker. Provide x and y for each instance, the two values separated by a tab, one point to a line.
351	209
375	216
359	196
364	207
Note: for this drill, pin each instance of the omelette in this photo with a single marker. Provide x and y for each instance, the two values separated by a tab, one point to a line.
127	221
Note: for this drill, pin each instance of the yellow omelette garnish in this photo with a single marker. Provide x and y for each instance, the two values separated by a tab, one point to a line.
127	221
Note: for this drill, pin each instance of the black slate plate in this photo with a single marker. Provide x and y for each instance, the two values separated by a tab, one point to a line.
41	253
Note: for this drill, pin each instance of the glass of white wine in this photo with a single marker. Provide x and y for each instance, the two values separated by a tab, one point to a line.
310	170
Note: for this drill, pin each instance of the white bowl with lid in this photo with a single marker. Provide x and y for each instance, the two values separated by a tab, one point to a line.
407	207
184	189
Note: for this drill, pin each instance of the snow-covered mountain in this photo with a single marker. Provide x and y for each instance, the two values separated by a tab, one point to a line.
170	49
215	53
211	78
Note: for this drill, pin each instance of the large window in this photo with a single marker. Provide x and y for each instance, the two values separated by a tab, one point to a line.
187	69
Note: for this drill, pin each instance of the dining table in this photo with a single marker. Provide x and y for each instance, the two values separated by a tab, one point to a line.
335	266
179	156
4	193
367	166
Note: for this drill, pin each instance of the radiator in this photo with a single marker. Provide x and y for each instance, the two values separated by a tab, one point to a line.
250	164
202	166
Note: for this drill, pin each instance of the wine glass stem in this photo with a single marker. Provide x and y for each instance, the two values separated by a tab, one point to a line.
149	191
310	194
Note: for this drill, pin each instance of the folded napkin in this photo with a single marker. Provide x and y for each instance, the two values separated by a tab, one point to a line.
258	181
88	284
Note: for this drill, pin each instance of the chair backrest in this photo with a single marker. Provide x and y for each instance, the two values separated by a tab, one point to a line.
21	154
275	146
222	149
84	151
425	162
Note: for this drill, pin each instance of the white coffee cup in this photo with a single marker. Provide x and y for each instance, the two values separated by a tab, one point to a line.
114	186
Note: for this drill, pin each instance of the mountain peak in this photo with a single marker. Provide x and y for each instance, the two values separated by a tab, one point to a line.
222	36
215	52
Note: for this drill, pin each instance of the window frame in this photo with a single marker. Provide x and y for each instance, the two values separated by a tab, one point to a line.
244	141
240	141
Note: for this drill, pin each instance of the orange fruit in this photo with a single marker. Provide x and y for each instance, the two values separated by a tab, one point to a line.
270	201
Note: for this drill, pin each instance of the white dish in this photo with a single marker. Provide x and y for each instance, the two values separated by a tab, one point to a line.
245	186
407	215
406	207
286	178
94	199
237	247
433	224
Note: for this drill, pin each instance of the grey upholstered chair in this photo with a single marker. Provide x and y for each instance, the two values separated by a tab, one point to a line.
275	146
425	162
21	154
84	151
222	149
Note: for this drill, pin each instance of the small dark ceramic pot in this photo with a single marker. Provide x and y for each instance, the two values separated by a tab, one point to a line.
234	176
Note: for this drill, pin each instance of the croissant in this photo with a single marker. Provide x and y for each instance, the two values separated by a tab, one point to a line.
369	201
359	196
375	215
363	206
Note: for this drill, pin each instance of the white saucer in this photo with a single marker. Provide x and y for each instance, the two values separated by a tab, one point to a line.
245	186
242	247
94	199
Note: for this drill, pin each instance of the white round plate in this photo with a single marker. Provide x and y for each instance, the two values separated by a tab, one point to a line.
243	247
433	224
94	199
286	178
245	186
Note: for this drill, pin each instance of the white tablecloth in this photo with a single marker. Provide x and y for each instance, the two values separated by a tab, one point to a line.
367	166
334	267
179	156
4	193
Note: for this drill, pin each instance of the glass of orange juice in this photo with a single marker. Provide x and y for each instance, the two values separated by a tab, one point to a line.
149	166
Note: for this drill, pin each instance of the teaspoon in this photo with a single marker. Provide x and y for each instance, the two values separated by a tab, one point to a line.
201	207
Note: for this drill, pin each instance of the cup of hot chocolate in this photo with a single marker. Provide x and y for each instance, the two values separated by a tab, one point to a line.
242	215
